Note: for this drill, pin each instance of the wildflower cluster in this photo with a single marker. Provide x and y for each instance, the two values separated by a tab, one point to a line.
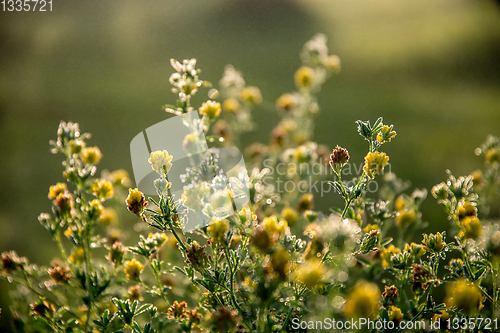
277	259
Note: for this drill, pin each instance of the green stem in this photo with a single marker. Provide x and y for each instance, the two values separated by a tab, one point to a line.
349	201
231	291
158	282
88	269
57	237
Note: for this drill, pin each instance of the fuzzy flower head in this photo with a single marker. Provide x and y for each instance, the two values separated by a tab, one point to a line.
405	217
251	95
96	209
471	227
493	155
231	106
108	216
286	103
304	77
133	269
395	314
177	310
362	301
160	161
311	272
289	215
332	63
136	202
375	163
386	134
416	250
338	159
102	189
56	189
273	226
465	296
217	230
10	261
211	109
91	155
185	80
434	242
78	256
466	209
280	261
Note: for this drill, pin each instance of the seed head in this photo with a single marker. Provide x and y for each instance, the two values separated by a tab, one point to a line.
338	158
136	202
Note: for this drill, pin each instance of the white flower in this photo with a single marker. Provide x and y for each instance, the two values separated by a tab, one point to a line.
160	161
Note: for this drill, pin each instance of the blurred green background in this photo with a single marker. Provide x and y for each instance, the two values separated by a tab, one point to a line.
432	68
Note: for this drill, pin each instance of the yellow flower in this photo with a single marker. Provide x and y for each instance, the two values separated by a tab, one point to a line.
78	256
493	155
251	95
304	77
415	250
217	230
211	109
405	217
54	190
465	296
387	253
477	177
472	227
400	203
108	217
158	239
76	146
271	225
310	273
386	134
231	105
136	202
133	269
433	243
395	314
249	283
120	177
289	215
465	209
102	189
375	163
160	161
91	155
286	103
64	202
305	202
194	194
332	63
370	227
280	260
96	208
362	301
